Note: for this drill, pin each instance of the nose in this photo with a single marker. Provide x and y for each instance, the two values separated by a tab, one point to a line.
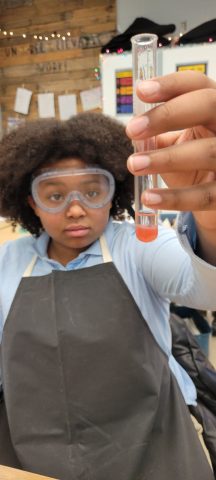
75	209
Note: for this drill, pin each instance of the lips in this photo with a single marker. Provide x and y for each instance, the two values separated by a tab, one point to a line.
76	230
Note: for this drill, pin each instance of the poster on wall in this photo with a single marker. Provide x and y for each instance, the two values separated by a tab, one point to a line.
91	99
46	106
22	100
67	106
124	91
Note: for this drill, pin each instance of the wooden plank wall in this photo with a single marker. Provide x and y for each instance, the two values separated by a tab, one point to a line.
62	60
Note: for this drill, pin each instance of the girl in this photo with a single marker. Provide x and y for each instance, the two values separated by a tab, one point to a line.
88	376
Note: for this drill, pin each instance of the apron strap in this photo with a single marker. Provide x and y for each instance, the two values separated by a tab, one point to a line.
105	253
30	266
105	250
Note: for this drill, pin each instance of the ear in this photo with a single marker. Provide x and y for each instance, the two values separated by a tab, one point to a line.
33	205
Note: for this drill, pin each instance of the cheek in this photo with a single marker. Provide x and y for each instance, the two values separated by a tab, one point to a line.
49	222
101	218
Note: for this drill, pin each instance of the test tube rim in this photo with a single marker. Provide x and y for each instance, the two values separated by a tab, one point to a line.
144	38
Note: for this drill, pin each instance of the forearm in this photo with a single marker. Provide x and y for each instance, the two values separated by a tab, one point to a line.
205	247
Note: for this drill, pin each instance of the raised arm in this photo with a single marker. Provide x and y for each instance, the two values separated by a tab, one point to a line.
185	125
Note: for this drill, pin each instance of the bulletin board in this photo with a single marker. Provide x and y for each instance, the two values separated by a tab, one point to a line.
116	73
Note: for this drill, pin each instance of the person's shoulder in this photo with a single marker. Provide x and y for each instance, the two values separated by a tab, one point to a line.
20	242
18	248
123	237
124	228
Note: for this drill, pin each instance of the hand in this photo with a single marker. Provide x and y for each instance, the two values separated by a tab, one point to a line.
186	156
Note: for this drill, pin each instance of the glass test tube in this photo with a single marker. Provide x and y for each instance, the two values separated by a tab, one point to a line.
144	48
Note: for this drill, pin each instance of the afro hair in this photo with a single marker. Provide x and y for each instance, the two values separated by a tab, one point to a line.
92	137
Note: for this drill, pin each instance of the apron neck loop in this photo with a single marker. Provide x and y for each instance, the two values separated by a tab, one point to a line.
30	266
104	248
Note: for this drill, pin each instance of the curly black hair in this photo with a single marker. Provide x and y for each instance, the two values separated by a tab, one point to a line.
93	137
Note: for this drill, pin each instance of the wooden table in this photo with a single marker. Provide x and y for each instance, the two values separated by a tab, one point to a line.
7	473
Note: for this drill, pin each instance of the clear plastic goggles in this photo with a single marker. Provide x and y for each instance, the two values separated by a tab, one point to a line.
54	190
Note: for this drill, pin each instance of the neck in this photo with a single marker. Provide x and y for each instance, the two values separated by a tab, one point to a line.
63	256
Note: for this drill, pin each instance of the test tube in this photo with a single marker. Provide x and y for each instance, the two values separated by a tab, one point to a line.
144	48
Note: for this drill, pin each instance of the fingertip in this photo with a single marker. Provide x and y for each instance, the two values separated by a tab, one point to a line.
148	88
151	198
130	164
136	126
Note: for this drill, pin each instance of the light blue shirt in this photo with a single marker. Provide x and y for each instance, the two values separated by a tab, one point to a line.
156	273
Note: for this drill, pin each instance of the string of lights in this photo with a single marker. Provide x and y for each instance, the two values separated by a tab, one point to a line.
6	33
45	36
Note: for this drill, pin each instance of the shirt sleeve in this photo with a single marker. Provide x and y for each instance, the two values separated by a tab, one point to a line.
175	271
204	273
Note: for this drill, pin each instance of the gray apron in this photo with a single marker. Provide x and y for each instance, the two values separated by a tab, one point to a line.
88	391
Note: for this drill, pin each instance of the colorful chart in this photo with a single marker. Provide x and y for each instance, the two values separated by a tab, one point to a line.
124	92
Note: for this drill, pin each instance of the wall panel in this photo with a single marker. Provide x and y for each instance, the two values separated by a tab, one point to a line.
63	60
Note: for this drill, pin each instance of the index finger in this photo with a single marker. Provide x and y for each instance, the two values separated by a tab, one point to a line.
161	89
185	111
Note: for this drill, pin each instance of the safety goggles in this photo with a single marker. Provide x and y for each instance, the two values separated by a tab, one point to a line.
54	190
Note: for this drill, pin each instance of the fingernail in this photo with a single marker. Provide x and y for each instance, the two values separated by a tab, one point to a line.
137	125
138	162
148	87
152	198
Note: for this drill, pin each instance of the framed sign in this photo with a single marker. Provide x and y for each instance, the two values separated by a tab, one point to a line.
197	57
117	89
197	67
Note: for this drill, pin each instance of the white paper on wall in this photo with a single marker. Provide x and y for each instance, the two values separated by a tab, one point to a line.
46	107
22	100
67	106
91	99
